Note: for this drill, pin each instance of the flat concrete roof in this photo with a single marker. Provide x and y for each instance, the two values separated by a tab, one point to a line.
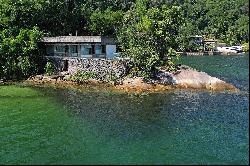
78	39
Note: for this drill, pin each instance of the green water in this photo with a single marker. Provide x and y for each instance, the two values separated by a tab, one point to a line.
68	126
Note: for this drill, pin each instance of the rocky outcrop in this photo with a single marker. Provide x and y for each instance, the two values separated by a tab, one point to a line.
184	77
138	84
187	77
190	78
134	84
45	79
61	79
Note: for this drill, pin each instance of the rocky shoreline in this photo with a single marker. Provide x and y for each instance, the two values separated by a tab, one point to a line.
184	78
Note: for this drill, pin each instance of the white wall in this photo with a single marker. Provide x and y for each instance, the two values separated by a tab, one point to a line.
110	50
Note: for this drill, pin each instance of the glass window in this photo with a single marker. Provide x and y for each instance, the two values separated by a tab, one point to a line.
98	49
86	50
50	50
73	49
60	49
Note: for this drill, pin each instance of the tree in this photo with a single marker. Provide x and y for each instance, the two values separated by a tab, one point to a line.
148	35
226	20
19	52
149	31
105	23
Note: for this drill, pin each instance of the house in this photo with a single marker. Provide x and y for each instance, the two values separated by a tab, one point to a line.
210	44
80	46
207	44
197	39
196	43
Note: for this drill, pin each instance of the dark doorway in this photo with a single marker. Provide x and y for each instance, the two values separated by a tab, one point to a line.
65	65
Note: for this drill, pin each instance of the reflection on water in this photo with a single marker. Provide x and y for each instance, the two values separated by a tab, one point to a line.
67	126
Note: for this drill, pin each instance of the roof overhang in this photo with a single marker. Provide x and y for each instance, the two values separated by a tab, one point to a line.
77	40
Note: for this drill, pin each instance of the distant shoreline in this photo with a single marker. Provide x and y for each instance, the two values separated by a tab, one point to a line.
208	53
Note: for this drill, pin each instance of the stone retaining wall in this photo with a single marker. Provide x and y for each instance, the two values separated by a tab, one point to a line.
103	68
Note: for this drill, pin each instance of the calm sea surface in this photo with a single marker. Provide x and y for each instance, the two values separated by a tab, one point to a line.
69	126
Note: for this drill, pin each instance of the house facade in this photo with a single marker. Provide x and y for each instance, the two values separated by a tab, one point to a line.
197	39
80	46
210	44
207	44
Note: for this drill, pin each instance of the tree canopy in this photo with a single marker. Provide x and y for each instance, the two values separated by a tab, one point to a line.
148	34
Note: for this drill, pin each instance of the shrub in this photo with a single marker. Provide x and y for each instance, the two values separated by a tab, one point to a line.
111	77
82	76
136	72
49	68
245	47
25	66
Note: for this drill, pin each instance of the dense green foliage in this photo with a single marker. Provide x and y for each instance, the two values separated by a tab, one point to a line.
245	47
50	69
226	20
19	52
82	76
105	23
148	35
150	31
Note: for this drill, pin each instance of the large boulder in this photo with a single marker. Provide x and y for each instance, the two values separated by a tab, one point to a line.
187	77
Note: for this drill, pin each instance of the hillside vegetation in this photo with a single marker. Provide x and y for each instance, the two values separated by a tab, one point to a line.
148	31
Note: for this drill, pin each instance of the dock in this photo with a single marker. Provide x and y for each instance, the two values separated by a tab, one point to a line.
204	53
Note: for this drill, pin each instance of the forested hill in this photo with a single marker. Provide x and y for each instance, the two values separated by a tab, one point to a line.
223	19
149	29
